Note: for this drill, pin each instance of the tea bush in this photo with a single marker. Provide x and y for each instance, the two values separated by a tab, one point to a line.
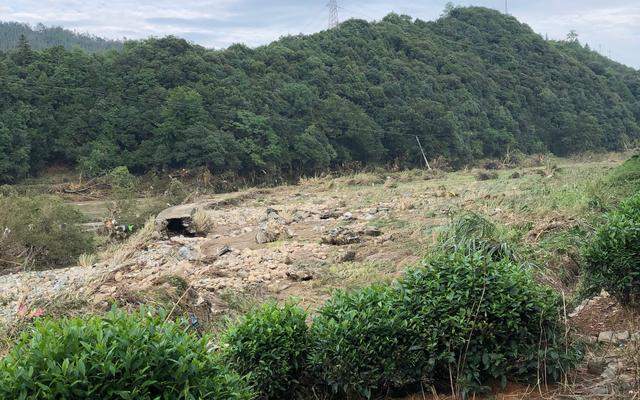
270	346
41	232
118	356
612	258
365	342
490	320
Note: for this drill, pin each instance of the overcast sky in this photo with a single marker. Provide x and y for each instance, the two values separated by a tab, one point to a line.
613	26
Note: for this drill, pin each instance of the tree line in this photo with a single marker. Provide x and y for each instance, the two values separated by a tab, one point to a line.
474	83
42	37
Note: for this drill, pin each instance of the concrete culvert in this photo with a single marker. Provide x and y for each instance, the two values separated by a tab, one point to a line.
177	221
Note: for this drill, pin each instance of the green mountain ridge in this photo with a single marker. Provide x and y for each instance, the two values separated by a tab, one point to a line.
43	37
473	84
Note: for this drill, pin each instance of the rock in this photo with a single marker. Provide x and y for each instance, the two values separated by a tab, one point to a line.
348	216
347	256
600	390
621	336
272	215
596	366
340	236
372	231
186	253
626	381
605	337
330	214
272	227
613	337
264	236
612	369
301	215
579	308
299	276
224	250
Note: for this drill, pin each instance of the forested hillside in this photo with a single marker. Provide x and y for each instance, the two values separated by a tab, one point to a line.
43	37
474	83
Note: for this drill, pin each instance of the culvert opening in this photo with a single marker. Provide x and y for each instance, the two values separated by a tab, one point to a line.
180	227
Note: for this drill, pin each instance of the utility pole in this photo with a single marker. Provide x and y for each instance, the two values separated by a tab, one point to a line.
506	7
334	20
423	155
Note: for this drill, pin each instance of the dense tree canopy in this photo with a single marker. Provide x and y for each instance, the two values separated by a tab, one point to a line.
42	37
473	84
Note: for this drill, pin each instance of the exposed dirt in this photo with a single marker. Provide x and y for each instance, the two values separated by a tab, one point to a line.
603	313
380	225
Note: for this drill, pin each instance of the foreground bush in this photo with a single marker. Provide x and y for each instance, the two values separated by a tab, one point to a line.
490	320
118	356
41	232
269	345
463	320
612	258
366	342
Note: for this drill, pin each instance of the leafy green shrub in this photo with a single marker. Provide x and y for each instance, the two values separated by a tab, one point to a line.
612	258
118	356
121	180
489	318
365	342
269	345
41	231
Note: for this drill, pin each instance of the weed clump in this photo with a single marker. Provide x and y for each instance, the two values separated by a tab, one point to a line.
487	175
270	346
202	223
472	232
612	258
118	356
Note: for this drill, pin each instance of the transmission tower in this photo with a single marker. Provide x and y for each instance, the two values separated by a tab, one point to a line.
334	21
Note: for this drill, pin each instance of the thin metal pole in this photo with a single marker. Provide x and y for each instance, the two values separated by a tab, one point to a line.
423	155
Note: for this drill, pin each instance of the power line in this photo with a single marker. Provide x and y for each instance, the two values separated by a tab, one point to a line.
334	20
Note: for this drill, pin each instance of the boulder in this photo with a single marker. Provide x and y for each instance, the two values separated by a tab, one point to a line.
272	227
340	236
606	337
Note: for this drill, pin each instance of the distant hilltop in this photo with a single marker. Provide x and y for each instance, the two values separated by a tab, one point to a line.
43	37
473	84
